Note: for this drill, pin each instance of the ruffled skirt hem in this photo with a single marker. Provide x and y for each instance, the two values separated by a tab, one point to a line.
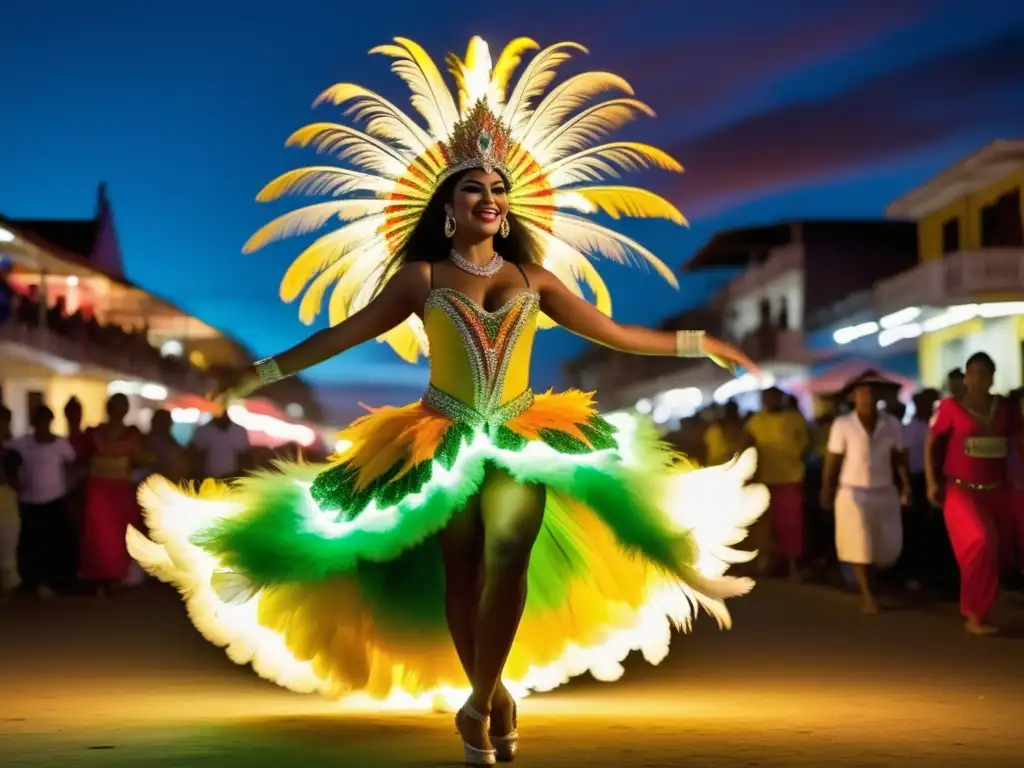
317	601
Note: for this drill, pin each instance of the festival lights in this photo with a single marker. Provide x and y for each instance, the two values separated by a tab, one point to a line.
911	322
748	382
272	426
854	332
148	391
947	318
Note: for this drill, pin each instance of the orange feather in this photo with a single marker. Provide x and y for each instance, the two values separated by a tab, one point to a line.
562	411
387	436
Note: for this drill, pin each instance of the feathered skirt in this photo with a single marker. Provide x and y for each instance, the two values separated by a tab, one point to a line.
329	578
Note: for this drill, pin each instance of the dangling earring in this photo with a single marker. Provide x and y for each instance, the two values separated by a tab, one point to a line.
449	226
504	228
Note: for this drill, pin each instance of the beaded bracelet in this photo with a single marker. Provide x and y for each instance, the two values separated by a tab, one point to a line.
690	344
268	370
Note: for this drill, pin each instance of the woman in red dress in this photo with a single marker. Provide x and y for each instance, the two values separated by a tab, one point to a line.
972	489
112	451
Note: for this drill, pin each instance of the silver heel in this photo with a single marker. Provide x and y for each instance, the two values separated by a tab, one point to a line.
475	755
505	746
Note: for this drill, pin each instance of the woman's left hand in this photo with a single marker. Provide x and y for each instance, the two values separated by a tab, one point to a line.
729	357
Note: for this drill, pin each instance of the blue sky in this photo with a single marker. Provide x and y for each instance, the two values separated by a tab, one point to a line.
778	110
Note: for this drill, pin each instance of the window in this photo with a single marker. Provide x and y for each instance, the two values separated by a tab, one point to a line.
951	235
1001	222
783	320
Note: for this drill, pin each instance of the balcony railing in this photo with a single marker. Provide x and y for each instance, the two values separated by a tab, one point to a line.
769	344
64	354
957	278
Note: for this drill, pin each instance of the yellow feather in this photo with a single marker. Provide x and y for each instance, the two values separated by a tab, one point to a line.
589	237
588	126
409	340
571	267
311	218
403	129
538	75
323	253
507	62
324	180
364	257
472	76
349	279
431	96
630	201
596	163
568	97
348	143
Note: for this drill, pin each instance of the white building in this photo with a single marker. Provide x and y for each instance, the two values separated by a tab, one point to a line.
783	273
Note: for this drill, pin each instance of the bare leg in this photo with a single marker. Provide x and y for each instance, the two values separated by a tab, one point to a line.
512	514
462	544
867	597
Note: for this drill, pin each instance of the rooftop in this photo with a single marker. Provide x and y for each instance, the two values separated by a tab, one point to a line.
734	248
976	171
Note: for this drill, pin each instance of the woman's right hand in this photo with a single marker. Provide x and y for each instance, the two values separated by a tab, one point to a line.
236	386
935	495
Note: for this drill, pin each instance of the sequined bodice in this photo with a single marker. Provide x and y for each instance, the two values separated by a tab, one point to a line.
480	360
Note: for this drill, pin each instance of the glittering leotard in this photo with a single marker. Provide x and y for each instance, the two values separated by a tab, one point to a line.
480	360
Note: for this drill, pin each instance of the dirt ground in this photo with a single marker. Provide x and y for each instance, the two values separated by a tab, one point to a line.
801	680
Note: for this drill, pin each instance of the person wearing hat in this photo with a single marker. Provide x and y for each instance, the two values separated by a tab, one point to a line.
864	448
971	486
782	438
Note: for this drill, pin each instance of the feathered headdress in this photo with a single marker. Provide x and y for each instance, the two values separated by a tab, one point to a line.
543	149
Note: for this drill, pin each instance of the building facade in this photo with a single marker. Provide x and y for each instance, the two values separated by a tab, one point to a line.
73	325
785	275
965	293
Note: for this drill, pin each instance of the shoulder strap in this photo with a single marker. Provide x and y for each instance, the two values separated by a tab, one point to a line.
523	273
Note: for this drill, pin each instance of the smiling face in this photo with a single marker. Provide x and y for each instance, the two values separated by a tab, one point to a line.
479	203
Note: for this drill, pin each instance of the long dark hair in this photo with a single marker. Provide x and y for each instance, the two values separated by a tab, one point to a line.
429	243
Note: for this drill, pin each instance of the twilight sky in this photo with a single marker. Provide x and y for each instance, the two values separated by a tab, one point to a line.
778	110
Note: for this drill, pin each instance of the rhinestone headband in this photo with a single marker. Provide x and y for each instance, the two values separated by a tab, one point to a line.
480	140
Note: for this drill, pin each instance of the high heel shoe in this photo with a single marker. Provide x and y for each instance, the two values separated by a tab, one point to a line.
475	755
505	746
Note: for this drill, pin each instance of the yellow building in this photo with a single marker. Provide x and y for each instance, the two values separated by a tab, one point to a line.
967	293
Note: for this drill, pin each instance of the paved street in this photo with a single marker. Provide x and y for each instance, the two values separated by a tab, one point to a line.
802	680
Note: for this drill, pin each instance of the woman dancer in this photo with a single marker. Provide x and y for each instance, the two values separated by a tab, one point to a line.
483	512
972	488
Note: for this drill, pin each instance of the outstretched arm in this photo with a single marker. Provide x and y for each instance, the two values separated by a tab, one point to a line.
579	316
403	294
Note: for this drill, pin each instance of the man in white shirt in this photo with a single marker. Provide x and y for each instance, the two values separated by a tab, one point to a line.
221	448
864	449
39	463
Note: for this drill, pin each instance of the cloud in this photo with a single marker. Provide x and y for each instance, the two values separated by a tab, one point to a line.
753	45
954	95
